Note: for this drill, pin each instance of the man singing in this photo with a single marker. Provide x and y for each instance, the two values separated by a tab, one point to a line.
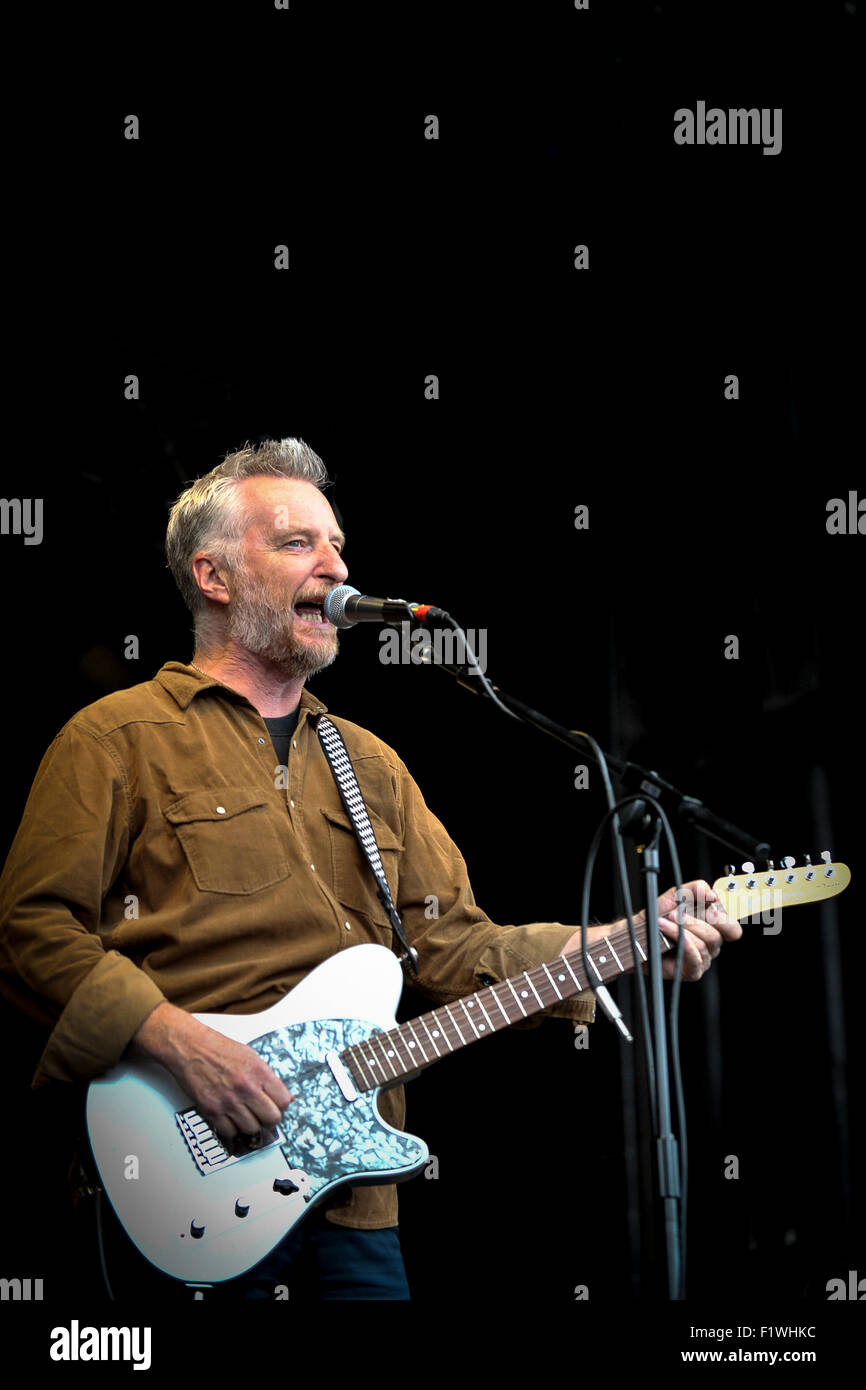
185	849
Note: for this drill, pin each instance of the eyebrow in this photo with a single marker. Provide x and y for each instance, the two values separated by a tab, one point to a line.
283	531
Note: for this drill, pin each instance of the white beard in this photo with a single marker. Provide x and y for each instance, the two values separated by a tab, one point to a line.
265	627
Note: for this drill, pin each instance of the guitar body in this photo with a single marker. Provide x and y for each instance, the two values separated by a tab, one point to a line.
202	1214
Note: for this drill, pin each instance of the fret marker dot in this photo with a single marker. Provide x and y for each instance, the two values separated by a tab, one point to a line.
602	959
435	1032
411	1044
481	1027
390	1052
470	1004
524	994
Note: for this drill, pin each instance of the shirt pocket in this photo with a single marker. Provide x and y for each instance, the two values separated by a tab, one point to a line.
229	839
354	884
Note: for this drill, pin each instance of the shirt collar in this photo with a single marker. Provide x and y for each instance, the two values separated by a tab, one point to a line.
184	682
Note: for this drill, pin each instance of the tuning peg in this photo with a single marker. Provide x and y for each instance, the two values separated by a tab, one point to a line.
826	856
807	859
789	861
729	871
748	867
770	864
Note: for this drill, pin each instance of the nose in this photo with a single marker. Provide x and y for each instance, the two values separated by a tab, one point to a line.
330	564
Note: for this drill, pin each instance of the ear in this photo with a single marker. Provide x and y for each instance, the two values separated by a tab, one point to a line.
210	578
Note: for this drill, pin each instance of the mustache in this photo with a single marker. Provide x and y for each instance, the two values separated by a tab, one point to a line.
319	597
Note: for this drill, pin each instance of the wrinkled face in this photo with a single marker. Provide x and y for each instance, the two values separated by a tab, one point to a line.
291	560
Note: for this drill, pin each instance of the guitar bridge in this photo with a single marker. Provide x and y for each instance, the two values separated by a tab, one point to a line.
209	1152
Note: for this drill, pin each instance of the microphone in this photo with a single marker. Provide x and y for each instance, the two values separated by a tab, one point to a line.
345	606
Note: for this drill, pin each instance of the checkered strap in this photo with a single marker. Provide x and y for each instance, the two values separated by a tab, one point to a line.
350	794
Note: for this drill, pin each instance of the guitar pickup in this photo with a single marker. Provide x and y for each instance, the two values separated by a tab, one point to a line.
341	1076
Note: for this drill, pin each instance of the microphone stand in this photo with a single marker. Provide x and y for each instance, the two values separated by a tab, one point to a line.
641	821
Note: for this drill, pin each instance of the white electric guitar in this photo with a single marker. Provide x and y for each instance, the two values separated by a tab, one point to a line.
204	1212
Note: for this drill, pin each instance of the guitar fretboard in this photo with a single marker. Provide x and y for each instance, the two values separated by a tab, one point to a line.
386	1057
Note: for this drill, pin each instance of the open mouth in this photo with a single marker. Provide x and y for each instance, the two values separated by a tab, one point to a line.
312	613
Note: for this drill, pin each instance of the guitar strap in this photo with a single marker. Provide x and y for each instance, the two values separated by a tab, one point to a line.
350	794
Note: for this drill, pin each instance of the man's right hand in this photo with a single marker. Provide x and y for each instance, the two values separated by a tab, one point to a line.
232	1087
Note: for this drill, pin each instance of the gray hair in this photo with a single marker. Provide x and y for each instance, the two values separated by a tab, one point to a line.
209	515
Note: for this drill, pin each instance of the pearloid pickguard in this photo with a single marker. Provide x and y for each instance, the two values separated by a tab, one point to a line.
325	1135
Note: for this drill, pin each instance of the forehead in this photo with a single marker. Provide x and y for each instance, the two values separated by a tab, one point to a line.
281	503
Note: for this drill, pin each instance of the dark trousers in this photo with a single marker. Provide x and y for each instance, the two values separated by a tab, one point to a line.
324	1261
317	1261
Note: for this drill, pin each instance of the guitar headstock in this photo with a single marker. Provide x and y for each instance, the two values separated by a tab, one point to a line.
783	885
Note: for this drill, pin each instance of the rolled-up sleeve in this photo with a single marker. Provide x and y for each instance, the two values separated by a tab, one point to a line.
70	847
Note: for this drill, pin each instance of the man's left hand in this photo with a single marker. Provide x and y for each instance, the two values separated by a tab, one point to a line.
706	925
705	922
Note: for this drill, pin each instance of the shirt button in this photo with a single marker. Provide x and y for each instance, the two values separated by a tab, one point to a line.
294	743
348	926
221	810
261	740
291	803
313	867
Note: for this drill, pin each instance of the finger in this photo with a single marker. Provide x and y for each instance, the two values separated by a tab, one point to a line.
267	1111
252	1098
703	950
728	926
690	970
692	967
262	1082
697	896
695	950
694	930
219	1123
244	1118
701	902
711	936
277	1091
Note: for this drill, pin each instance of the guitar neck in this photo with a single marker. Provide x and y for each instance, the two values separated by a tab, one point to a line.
386	1058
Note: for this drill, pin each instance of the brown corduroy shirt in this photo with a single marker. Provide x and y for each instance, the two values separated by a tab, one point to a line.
126	886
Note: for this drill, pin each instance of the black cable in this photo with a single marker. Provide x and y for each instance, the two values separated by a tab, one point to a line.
622	871
673	1041
100	1244
473	663
612	815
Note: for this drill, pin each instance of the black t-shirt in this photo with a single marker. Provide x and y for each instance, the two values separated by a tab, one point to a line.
281	728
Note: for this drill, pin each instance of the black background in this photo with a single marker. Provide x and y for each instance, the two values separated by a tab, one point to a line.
605	387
